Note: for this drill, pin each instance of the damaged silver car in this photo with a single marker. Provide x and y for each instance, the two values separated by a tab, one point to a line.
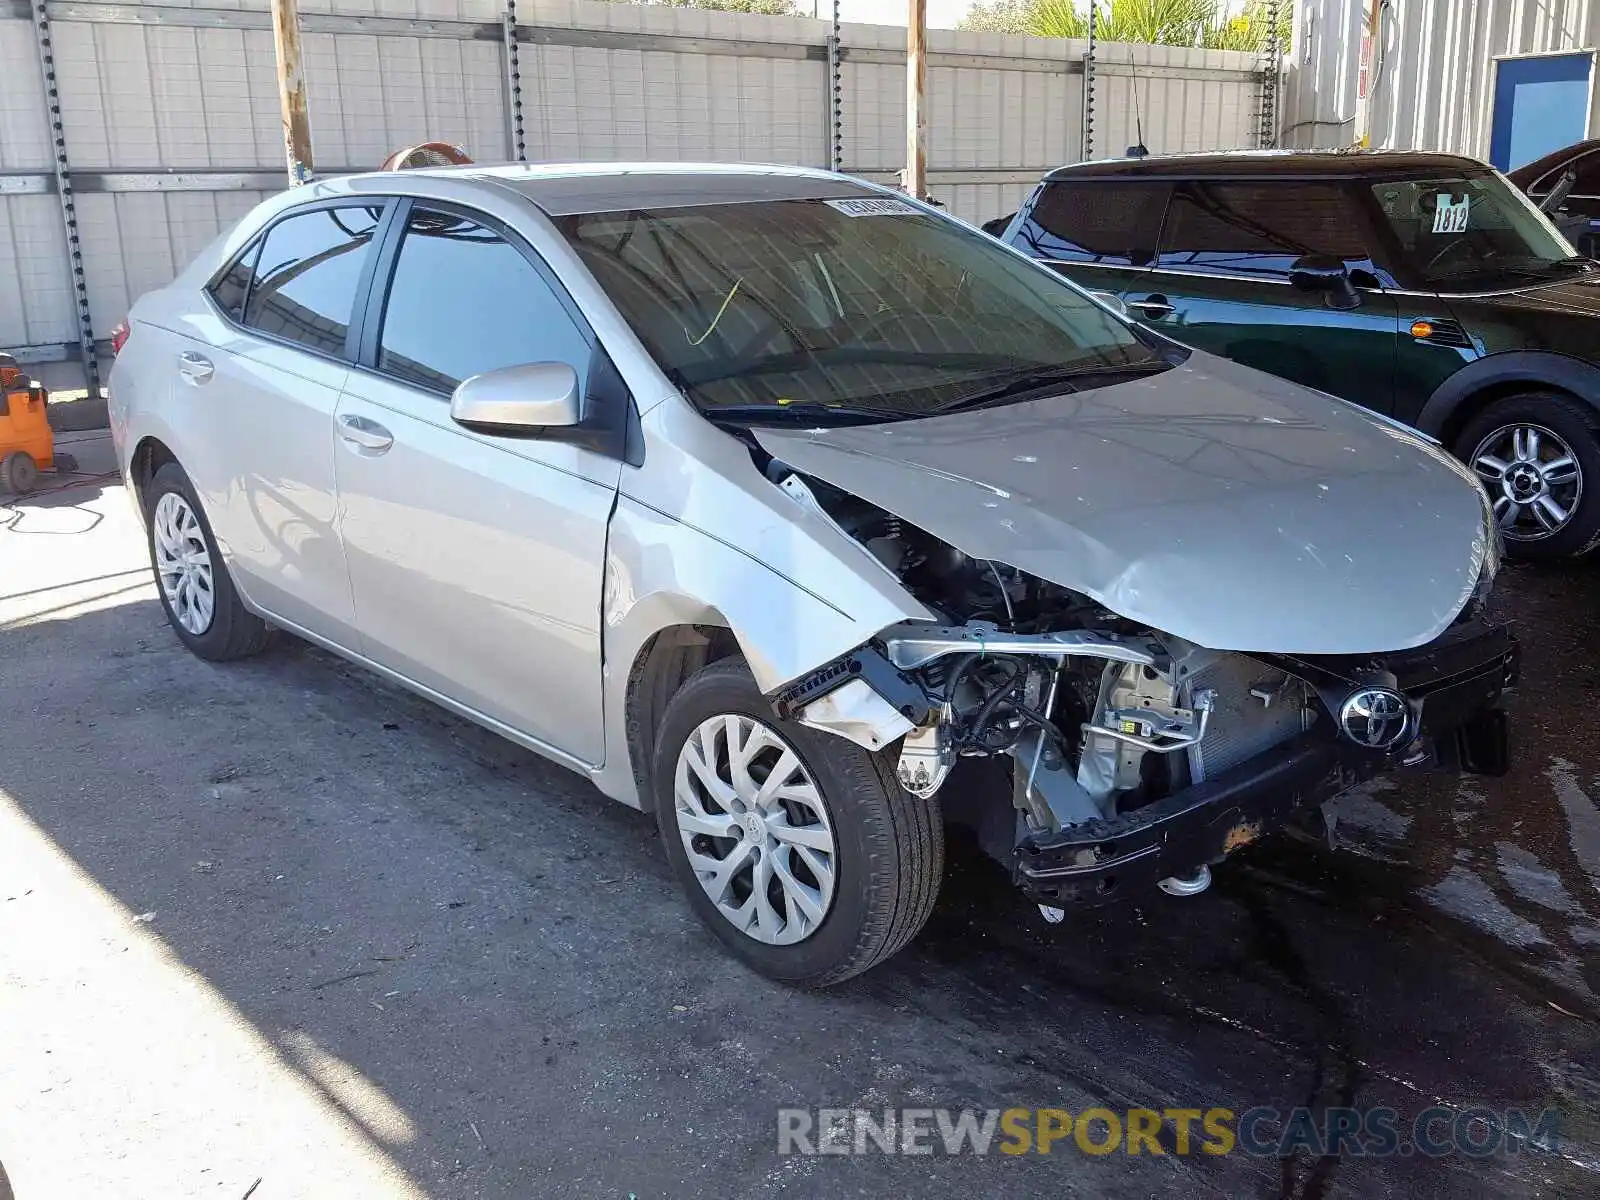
810	520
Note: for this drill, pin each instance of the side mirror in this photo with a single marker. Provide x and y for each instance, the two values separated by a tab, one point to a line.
521	399
1328	275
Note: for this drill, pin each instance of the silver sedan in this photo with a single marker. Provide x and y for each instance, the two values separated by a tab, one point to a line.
811	520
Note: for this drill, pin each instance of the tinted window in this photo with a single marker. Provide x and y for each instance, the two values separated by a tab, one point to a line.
1588	185
464	301
229	290
1260	229
306	278
1113	223
1587	167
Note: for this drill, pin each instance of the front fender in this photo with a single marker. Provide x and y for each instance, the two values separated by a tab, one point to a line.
661	573
1533	367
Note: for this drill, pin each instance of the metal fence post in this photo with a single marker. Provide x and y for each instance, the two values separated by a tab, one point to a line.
1088	86
835	97
1271	79
516	144
63	179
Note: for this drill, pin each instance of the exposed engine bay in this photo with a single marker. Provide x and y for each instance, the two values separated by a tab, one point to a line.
1098	720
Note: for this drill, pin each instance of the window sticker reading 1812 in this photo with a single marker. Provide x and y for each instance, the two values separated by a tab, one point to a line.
1450	214
886	207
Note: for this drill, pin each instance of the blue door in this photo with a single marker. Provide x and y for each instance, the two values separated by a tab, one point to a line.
1540	104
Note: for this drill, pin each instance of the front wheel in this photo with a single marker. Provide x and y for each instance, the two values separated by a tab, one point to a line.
799	849
1538	454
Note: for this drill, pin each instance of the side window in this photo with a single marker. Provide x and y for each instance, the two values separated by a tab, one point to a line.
1111	222
1586	186
230	287
463	301
1258	230
306	276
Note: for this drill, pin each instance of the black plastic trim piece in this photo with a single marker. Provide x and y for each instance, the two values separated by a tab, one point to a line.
868	664
1534	368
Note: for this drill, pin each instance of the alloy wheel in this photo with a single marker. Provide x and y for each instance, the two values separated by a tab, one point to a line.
183	563
755	828
1533	479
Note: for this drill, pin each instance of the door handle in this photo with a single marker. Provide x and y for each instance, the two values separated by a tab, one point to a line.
1155	307
196	368
365	434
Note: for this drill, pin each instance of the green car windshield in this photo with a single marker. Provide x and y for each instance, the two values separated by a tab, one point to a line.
1462	232
859	308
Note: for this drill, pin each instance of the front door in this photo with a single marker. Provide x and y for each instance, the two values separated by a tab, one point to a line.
476	560
1222	284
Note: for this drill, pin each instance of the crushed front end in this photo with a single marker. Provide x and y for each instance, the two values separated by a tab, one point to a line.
1097	758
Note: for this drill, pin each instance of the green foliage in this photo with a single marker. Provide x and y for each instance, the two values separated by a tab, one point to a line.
1209	23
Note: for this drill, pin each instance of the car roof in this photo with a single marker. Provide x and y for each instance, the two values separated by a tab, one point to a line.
1326	164
1530	173
564	189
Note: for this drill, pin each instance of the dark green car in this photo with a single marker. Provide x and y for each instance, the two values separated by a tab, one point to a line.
1424	286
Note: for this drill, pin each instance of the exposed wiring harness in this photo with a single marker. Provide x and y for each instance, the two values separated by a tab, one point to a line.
978	731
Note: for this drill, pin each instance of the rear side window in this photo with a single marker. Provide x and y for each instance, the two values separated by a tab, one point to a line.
1114	223
307	273
464	300
1258	230
232	285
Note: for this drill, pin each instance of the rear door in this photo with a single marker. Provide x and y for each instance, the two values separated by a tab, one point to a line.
1099	233
256	393
476	559
1221	284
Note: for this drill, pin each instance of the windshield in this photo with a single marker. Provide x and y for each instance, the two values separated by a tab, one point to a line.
862	308
1462	232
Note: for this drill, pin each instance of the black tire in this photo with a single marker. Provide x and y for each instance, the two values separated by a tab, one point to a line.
235	631
18	472
889	845
1574	423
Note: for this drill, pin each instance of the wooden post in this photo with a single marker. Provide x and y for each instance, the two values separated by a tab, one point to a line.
292	91
916	180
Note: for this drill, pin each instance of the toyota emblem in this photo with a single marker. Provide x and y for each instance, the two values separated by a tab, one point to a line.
1376	718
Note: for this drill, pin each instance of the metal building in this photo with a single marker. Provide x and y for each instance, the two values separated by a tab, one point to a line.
1501	80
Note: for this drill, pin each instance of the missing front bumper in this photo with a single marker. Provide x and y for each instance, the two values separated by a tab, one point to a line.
1457	685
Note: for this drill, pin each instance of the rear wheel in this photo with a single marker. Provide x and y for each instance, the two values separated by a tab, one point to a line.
799	849
1538	454
199	597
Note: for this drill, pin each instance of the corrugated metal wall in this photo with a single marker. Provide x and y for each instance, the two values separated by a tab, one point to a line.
170	113
1436	86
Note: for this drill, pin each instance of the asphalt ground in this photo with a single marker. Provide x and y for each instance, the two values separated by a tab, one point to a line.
281	926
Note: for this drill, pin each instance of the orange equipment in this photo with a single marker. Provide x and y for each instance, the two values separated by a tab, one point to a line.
26	444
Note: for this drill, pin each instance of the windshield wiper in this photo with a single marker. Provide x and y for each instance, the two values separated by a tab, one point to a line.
837	356
1070	378
805	412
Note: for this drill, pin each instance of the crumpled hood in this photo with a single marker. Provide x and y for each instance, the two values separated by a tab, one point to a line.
1211	501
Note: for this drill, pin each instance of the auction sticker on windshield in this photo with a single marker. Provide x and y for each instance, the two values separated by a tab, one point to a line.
1450	214
886	207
